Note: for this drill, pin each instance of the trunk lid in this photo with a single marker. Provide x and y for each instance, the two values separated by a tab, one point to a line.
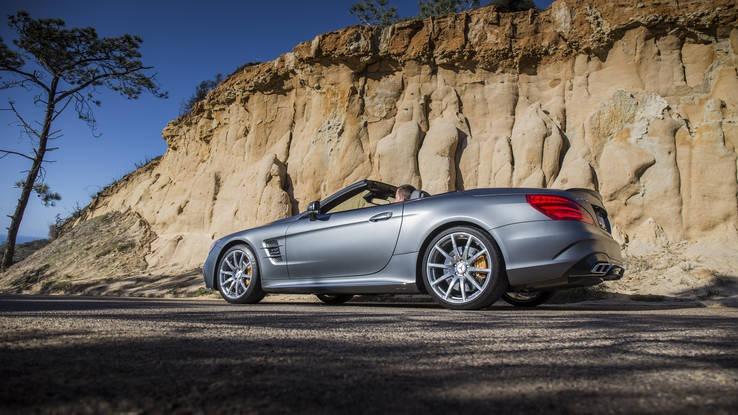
591	201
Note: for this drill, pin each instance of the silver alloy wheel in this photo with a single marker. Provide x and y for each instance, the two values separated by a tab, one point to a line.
235	273
459	268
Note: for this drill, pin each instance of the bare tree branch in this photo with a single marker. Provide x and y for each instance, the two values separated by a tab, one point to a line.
15	153
32	77
39	98
26	126
14	83
55	134
63	107
86	113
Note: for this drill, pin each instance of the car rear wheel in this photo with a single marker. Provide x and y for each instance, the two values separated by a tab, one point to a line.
463	270
527	299
334	299
238	276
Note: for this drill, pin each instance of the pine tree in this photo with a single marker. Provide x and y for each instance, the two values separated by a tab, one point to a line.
430	8
514	5
375	12
63	68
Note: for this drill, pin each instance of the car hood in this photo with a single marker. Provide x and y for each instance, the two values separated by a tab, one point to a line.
239	234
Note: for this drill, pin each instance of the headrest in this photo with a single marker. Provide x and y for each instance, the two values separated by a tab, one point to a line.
418	194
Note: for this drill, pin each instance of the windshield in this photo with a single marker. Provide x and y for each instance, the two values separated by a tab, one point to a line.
363	199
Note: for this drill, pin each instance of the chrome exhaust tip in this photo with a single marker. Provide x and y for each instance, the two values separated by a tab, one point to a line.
597	266
601	268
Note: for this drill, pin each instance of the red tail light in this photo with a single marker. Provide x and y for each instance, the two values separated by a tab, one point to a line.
559	208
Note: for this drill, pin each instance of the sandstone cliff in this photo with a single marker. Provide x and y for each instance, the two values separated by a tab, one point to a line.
635	99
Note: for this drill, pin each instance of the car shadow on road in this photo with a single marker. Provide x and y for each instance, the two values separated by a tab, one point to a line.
365	359
49	303
502	306
22	303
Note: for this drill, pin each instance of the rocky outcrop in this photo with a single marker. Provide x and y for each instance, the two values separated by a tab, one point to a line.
635	99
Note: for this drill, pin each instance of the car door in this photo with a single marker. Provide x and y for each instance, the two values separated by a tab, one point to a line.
348	243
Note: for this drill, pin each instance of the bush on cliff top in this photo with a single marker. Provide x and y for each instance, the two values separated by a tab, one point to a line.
383	13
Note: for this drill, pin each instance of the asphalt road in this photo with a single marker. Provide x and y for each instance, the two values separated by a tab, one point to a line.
79	355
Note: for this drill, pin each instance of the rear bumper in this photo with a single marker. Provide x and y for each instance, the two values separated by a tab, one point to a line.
558	254
591	270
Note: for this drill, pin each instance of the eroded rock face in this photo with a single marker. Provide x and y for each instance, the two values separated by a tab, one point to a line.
638	100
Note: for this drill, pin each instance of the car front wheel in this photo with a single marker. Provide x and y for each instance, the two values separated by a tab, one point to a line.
463	269
238	276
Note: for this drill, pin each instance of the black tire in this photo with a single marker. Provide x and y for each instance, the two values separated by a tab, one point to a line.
334	299
253	293
494	288
533	299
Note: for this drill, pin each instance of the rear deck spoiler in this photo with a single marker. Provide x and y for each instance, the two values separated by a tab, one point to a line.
590	192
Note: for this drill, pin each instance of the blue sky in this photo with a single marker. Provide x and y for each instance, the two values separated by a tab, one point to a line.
186	41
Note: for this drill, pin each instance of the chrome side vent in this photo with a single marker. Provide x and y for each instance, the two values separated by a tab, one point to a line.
273	250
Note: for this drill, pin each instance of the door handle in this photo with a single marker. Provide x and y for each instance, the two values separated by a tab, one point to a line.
381	216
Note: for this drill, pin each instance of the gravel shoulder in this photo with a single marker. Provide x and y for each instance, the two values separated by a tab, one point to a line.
91	355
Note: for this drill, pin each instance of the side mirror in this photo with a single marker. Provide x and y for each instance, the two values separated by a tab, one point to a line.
313	209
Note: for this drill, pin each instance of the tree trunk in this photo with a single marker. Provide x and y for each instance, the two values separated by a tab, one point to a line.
40	152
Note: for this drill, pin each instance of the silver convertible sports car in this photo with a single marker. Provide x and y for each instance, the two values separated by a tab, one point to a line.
466	249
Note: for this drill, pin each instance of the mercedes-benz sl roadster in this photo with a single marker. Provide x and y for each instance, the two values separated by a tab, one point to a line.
466	249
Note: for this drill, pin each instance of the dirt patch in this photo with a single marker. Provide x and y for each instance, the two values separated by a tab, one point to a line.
702	271
105	248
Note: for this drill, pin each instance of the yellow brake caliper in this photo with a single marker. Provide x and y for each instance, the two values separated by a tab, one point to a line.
248	272
480	263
